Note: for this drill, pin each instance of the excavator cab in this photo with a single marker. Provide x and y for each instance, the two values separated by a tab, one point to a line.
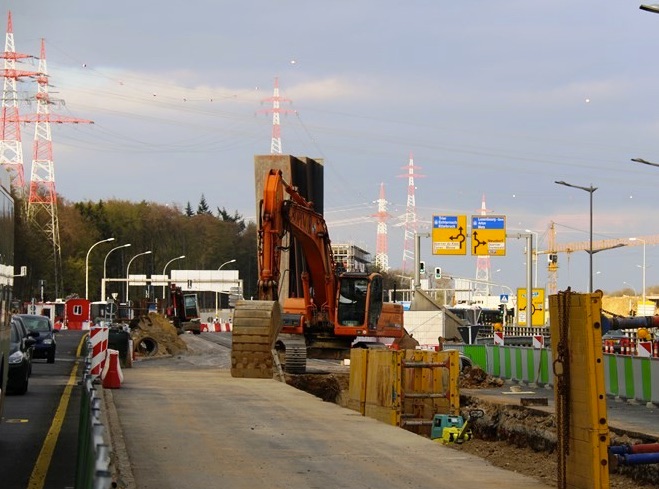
359	303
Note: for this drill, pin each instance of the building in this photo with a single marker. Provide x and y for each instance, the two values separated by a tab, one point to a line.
351	258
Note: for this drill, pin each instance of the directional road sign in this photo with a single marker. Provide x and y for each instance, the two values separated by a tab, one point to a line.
488	235
537	307
449	235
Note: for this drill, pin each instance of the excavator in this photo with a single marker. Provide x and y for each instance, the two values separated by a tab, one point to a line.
323	316
183	311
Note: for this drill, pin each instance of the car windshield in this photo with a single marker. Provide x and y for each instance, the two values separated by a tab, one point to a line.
37	324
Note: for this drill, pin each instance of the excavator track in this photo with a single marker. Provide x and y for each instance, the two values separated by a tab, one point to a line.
256	325
295	357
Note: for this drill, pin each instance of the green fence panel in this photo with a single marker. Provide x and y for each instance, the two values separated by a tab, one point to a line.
646	378
477	354
629	377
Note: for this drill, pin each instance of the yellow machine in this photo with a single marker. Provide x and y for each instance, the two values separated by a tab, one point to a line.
449	428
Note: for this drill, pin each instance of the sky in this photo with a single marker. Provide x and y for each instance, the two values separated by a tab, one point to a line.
495	100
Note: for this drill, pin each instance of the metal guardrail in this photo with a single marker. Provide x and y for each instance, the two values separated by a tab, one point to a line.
93	457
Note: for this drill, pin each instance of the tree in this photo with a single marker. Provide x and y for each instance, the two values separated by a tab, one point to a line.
203	208
237	218
188	210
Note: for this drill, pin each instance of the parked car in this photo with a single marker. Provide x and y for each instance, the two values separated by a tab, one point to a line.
20	357
46	346
617	338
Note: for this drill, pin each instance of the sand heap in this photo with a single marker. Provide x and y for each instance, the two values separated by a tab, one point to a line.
155	335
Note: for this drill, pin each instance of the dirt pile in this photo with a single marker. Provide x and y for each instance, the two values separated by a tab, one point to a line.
477	378
328	387
619	306
155	336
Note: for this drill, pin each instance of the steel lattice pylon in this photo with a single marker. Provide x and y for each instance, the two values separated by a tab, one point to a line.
381	245
11	148
42	198
411	222
275	144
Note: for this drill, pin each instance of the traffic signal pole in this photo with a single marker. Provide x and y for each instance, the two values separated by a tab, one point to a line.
417	258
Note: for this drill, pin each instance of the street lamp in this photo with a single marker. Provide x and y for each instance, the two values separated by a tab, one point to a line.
105	261
128	268
87	264
535	258
645	162
631	287
653	7
217	294
643	291
165	268
590	190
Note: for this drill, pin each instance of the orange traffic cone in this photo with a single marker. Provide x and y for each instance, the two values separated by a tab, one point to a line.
112	376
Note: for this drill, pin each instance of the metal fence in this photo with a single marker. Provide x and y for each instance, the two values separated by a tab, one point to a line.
93	457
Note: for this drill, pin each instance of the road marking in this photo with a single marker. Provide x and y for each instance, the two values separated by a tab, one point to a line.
38	477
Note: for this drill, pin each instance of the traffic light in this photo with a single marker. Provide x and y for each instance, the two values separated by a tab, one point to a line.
438	272
422	267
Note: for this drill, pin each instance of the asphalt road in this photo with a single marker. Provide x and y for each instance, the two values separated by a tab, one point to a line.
185	422
38	443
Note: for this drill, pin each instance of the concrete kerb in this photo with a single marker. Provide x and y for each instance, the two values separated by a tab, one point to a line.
122	472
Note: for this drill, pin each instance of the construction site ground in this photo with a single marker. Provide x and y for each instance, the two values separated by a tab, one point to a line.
180	420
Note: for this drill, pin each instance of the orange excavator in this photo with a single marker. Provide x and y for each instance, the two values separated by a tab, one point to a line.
324	312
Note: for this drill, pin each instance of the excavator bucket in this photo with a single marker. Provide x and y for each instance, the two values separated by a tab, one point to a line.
256	325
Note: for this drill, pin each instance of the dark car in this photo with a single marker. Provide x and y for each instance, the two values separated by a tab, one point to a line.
616	340
20	357
46	345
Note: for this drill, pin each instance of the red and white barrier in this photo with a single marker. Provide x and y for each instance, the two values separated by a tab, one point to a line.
216	327
645	349
538	342
98	335
112	376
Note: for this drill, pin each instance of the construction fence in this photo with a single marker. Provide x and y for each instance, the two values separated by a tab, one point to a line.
632	378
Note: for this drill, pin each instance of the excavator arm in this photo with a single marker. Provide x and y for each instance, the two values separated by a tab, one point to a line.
296	217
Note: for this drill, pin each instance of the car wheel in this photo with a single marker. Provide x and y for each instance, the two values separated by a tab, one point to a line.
22	389
51	356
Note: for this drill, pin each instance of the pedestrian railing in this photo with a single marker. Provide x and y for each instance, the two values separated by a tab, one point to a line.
93	457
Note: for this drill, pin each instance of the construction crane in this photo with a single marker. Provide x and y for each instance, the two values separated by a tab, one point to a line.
599	245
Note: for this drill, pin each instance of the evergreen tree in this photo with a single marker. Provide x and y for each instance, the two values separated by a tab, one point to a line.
224	215
188	210
203	206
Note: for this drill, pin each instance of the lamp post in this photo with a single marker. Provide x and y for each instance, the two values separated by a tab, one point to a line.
645	162
590	190
535	258
217	294
105	262
643	291
653	7
87	264
128	268
631	287
165	268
